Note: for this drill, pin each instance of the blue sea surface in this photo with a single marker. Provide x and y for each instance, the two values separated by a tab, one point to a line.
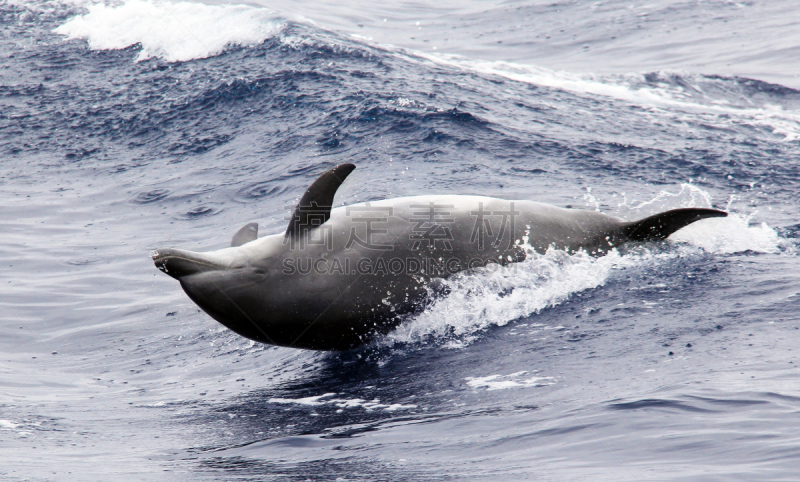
139	124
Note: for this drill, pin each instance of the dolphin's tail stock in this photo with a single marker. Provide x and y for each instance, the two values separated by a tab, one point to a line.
660	226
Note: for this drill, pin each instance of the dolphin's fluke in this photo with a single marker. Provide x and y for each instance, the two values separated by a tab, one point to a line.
314	207
249	232
660	226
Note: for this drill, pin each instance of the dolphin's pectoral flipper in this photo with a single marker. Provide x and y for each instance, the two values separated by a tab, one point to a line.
249	232
314	207
661	225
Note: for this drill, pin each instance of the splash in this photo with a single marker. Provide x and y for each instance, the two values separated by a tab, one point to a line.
504	382
733	234
174	31
497	295
343	403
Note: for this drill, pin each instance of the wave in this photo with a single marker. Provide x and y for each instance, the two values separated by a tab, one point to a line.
174	31
674	93
182	31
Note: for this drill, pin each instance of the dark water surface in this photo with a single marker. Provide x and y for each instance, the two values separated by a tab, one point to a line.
174	124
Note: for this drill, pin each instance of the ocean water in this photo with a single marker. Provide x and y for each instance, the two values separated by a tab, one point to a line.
140	124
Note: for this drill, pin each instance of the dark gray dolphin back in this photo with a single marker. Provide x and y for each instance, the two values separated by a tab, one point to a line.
659	226
314	207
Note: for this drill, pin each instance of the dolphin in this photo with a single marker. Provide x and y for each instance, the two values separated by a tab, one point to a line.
337	278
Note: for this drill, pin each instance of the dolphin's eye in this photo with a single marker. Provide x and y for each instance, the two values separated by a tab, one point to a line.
259	271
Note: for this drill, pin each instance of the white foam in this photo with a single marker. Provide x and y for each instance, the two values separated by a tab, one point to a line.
733	234
343	403
504	382
8	424
496	295
174	31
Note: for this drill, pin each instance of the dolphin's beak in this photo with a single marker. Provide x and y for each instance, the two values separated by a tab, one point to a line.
179	263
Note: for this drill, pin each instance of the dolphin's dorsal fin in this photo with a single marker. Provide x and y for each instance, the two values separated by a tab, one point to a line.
661	225
314	207
249	232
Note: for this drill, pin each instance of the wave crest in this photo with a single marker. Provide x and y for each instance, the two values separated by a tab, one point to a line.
174	31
